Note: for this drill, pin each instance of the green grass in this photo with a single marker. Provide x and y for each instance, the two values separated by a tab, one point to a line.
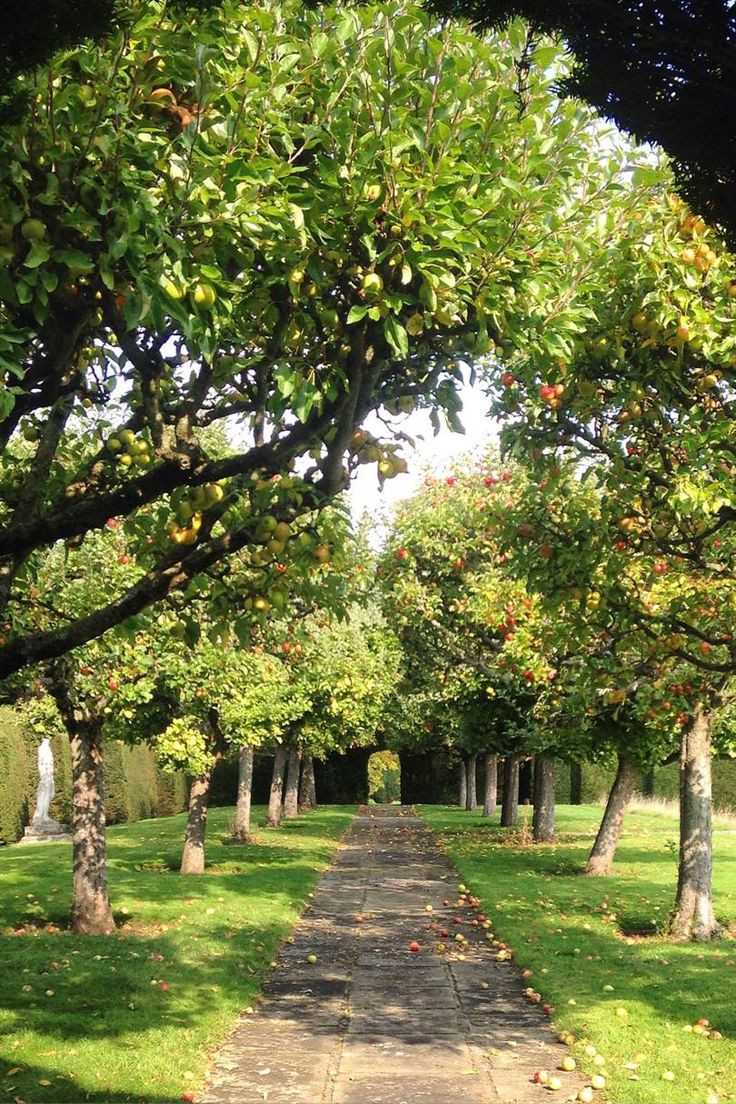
580	934
106	1030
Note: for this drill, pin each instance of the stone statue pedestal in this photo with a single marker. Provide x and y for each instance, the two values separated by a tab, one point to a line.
42	831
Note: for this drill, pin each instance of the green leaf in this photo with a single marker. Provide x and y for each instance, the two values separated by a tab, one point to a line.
396	336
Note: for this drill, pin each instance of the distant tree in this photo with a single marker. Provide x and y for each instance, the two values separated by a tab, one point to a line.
659	68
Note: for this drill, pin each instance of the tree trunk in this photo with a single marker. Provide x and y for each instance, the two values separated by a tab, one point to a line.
192	859
576	784
471	786
693	917
463	800
241	827
510	806
91	911
277	788
600	862
490	794
647	787
291	793
308	788
543	820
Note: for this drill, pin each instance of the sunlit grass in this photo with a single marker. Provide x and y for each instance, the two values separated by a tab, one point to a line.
134	1016
580	935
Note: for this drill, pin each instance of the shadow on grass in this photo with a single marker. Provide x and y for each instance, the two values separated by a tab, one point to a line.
130	1011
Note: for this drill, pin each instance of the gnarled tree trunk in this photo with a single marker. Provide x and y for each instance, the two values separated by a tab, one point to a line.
276	797
600	862
471	787
308	787
91	910
192	859
510	804
694	917
490	791
543	820
463	797
291	793
241	827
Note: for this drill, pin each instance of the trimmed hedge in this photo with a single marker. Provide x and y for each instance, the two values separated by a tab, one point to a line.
598	779
135	788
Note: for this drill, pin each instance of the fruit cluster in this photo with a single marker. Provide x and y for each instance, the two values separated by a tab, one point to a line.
129	450
189	510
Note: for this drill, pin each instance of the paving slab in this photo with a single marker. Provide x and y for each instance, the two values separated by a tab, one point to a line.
373	1022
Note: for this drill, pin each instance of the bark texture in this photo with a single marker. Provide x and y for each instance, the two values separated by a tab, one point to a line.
193	855
693	916
510	805
291	793
91	910
471	786
241	827
276	797
600	862
543	820
308	787
463	798
490	790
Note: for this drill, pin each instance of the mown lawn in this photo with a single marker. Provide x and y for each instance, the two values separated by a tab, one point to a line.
133	1017
581	936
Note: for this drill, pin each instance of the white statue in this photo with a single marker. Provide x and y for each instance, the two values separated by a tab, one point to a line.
46	790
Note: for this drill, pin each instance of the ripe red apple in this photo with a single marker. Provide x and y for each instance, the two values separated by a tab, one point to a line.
528	675
112	523
508	379
660	568
402	554
113	684
163	986
451	481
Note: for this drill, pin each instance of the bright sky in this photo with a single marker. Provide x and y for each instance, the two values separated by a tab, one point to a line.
432	453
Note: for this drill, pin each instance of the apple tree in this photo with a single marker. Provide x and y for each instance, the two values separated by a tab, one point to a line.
238	220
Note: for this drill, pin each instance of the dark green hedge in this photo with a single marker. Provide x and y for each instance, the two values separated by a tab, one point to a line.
597	780
135	787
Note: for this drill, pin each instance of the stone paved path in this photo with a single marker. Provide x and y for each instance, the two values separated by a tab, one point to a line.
372	1022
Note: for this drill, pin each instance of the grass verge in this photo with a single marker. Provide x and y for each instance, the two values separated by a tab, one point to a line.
134	1016
595	946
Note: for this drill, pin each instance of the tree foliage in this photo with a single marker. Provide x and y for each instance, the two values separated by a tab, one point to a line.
240	218
659	68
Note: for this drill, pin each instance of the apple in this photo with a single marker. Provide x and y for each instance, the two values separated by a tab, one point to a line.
372	285
598	1081
204	295
585	1095
414	947
163	986
554	1083
33	230
668	1075
568	1063
311	959
113	684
